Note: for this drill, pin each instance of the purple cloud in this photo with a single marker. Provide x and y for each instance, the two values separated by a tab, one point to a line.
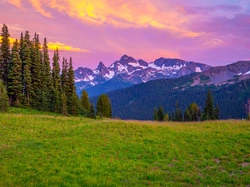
209	9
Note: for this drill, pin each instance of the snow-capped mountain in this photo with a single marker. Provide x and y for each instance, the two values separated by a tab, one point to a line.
130	71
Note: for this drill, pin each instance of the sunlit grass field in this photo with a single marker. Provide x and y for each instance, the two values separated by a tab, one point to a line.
43	149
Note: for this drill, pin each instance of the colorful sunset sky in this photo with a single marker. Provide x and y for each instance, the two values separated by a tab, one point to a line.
215	32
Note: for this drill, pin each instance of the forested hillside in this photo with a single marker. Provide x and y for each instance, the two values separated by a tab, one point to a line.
139	102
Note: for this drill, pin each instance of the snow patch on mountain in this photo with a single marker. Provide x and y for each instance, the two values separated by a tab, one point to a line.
122	68
152	65
136	65
247	73
134	71
198	69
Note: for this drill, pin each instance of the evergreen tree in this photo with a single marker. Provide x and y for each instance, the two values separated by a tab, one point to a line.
57	105
208	113
4	54
104	106
26	75
85	101
21	46
64	78
70	91
178	112
247	108
75	107
14	75
47	87
155	114
160	114
91	113
217	112
64	104
4	101
36	72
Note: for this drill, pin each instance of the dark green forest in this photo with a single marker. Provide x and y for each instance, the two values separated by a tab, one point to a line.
140	101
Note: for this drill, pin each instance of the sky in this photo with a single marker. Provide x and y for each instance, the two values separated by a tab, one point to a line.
215	32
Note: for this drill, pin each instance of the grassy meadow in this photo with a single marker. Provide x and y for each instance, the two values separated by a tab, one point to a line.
43	149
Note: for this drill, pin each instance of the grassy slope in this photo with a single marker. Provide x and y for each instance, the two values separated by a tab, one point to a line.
39	149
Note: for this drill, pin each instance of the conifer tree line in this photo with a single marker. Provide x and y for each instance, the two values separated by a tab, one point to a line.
26	73
28	79
192	113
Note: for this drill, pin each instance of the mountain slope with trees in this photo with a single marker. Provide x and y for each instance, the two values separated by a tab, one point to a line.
139	102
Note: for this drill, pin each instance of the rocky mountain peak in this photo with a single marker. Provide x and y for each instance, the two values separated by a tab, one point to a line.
102	69
101	66
142	62
134	71
125	59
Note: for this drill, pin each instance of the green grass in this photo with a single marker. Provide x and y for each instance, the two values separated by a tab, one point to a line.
43	149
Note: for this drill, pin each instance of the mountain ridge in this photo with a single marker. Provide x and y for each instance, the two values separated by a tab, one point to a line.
131	72
230	85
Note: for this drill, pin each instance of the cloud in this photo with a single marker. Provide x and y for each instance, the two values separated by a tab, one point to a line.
64	47
55	45
17	3
38	6
118	13
209	9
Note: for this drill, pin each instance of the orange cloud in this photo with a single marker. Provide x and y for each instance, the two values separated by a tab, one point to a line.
17	3
119	13
38	6
64	47
55	45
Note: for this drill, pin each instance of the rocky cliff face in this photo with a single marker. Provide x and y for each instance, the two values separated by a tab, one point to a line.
223	74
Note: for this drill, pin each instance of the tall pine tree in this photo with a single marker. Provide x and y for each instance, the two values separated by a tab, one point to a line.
15	76
4	54
57	104
85	101
72	98
160	114
104	106
217	111
36	72
208	113
91	113
46	86
21	46
64	77
26	75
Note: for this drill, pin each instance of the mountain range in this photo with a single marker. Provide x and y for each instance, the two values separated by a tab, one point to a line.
229	84
145	86
127	72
